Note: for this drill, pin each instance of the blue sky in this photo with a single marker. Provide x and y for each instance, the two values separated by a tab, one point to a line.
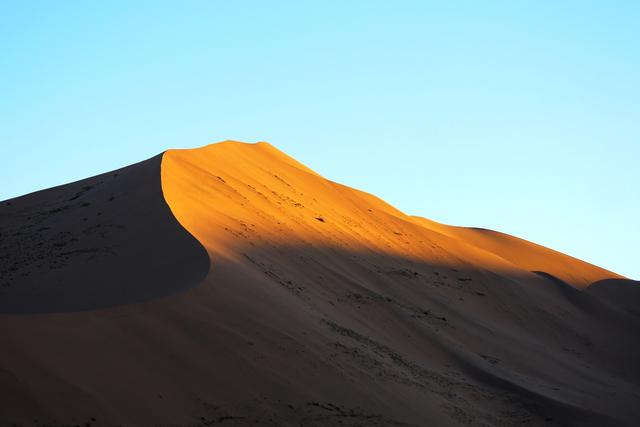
518	116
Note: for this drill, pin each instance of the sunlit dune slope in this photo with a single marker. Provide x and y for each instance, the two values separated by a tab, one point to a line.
234	195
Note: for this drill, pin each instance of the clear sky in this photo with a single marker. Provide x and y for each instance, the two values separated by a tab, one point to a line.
520	116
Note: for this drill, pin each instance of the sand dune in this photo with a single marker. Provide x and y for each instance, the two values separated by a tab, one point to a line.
317	305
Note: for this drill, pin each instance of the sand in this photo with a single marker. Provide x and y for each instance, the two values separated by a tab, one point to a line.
238	287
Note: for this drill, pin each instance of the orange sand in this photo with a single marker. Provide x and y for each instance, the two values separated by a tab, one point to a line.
233	195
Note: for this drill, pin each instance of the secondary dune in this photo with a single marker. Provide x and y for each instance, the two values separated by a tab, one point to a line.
279	297
525	255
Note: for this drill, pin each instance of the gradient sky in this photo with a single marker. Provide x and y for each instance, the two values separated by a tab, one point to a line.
520	116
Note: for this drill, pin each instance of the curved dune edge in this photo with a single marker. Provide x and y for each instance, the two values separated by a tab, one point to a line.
100	242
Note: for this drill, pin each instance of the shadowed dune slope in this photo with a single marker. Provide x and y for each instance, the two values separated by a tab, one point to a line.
102	241
325	306
623	293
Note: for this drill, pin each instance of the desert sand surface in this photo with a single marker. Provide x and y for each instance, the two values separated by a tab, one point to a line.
231	285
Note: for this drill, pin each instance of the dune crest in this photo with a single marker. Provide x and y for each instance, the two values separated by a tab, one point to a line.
232	195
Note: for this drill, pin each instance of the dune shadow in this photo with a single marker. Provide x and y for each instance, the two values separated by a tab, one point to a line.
490	325
99	242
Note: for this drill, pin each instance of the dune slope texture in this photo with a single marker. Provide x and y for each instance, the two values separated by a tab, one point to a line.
231	285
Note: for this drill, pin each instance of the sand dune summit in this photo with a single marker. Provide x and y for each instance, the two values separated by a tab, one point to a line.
231	285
